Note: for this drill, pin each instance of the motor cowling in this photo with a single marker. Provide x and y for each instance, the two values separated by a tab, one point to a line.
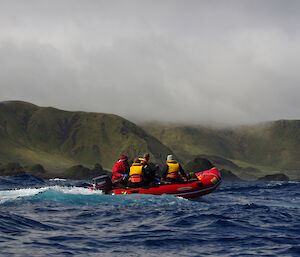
102	183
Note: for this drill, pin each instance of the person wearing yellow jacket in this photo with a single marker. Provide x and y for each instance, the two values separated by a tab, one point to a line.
172	171
136	174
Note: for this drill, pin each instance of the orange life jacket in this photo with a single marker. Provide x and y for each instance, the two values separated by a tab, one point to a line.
136	173
173	171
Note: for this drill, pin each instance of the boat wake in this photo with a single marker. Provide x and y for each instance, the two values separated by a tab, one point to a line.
44	193
58	195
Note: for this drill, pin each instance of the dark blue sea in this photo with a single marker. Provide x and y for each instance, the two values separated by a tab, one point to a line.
62	218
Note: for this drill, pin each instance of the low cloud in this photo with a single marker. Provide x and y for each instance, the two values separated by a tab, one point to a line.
201	62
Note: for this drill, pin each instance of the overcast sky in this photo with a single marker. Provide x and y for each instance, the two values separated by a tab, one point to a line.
232	62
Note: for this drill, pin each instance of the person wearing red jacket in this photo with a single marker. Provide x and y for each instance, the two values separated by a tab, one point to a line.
120	171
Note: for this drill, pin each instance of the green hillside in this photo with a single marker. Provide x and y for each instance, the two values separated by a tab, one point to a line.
59	139
271	144
263	148
189	141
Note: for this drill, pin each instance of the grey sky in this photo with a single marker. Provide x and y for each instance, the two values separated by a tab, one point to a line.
231	62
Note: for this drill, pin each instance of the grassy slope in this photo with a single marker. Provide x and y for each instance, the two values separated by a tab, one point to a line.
59	139
275	143
188	142
269	147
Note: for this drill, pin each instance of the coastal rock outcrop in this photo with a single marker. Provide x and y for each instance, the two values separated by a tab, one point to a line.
275	177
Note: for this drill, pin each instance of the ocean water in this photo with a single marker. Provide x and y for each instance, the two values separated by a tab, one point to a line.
62	218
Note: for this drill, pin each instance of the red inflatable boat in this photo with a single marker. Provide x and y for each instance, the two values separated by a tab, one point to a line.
205	183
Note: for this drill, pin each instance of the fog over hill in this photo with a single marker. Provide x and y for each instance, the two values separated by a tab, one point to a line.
227	62
58	139
264	146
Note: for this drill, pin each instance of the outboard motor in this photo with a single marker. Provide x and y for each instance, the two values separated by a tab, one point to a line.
102	183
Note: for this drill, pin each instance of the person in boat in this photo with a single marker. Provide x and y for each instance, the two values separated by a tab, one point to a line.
172	171
151	176
120	172
136	174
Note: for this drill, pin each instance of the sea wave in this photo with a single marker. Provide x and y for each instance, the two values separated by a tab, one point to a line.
59	218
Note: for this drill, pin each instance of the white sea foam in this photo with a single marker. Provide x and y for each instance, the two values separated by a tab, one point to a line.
8	195
75	190
57	179
14	194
